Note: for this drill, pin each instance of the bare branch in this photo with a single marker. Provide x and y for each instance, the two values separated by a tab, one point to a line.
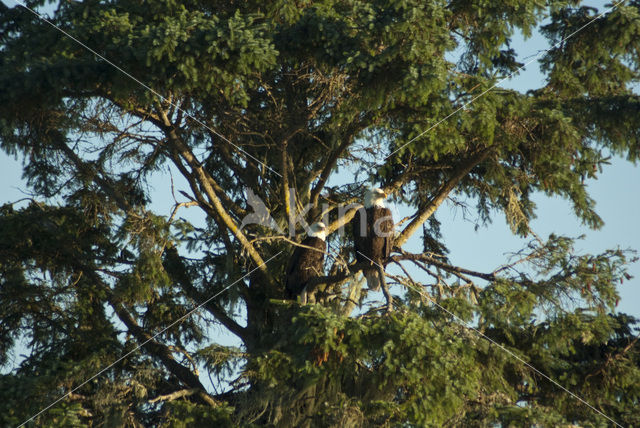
290	241
441	195
174	395
326	171
179	205
343	220
285	181
449	268
206	182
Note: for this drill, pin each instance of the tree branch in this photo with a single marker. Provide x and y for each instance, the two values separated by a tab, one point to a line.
332	279
205	180
441	195
342	220
159	350
178	271
347	136
285	182
174	395
148	342
449	268
237	210
326	171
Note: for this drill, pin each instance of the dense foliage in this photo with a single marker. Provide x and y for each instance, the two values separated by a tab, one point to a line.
255	98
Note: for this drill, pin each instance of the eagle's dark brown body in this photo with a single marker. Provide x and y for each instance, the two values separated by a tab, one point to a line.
373	240
304	264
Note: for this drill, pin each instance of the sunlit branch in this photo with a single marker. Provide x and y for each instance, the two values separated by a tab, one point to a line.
205	181
441	195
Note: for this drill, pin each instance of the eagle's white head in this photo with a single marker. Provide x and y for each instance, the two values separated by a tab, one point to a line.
374	198
318	230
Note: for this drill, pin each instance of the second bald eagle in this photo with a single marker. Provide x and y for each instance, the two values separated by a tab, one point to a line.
373	236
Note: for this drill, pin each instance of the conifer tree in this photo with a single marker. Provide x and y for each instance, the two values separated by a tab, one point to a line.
239	98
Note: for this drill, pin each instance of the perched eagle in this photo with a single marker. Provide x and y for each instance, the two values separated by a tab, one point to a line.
306	263
373	236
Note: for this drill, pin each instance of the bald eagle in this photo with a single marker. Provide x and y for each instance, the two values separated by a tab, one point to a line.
306	263
373	237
